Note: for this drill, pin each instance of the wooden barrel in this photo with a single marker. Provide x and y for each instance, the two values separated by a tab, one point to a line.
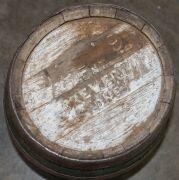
89	93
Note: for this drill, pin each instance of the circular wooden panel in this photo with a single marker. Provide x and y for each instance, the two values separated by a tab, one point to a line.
91	83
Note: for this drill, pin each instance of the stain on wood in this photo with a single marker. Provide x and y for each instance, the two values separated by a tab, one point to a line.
91	83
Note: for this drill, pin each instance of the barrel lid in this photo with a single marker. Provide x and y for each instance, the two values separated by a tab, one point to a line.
92	82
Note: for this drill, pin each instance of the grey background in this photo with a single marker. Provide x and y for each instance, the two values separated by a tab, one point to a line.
19	17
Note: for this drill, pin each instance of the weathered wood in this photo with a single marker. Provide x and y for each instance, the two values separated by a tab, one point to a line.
166	61
91	88
160	115
127	16
75	13
100	10
167	95
91	96
152	35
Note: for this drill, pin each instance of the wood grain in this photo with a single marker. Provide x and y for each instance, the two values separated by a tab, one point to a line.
82	97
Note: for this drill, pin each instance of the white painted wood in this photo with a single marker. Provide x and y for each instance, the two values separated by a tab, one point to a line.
59	40
97	107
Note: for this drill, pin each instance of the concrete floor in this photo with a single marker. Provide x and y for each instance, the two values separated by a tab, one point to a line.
17	19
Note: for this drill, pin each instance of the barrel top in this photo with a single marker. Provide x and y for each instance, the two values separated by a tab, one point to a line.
92	82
